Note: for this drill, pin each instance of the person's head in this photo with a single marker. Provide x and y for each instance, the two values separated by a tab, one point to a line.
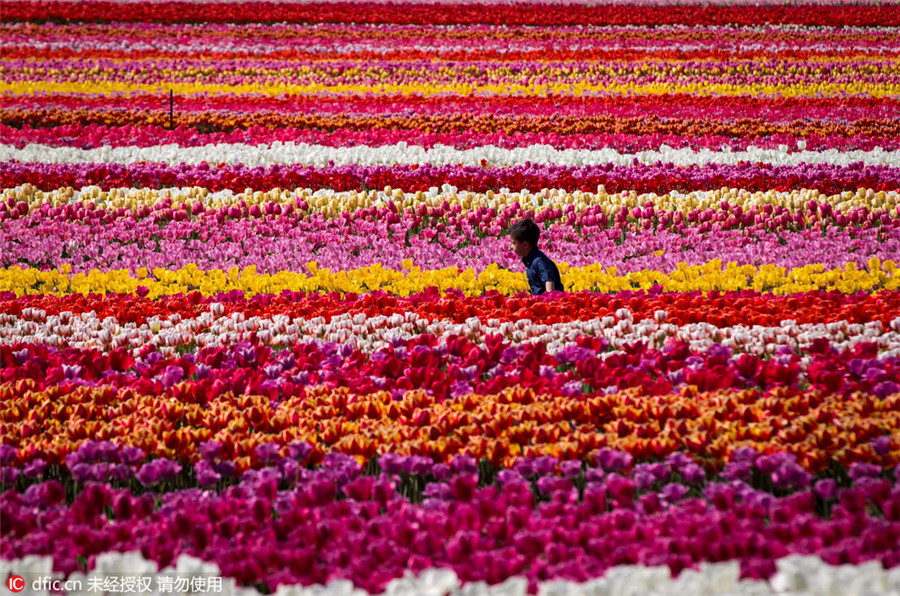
524	236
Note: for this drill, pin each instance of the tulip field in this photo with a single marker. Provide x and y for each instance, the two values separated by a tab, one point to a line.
262	330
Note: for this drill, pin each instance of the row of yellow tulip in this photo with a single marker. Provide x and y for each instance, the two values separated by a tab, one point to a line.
711	276
574	87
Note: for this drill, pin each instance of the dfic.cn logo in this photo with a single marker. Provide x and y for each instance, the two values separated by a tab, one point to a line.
15	583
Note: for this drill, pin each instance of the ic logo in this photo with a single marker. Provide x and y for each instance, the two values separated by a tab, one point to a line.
15	583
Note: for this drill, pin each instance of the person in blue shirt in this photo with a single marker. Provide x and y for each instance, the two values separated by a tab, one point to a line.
543	275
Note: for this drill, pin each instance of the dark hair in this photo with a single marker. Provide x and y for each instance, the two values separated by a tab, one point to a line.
525	231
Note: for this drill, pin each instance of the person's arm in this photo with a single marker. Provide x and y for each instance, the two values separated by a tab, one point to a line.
544	275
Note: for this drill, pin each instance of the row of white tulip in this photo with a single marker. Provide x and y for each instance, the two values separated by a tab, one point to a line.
214	328
796	575
438	155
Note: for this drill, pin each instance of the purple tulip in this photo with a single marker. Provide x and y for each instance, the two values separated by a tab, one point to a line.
572	388
594	475
35	468
438	490
674	492
273	371
269	452
89	452
885	389
545	465
120	472
524	466
464	464
8	455
339	462
224	467
570	469
157	470
131	456
791	475
460	388
72	459
549	486
172	376
769	463
719	352
202	371
257	478
745	454
881	445
206	476
106	451
81	472
417	465
642	479
507	476
738	470
210	450
695	362
8	475
860	470
693	474
572	354
300	451
509	355
785	351
100	471
442	472
678	460
391	463
613	460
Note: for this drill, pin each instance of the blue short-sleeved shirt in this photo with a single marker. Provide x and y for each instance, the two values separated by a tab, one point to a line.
540	269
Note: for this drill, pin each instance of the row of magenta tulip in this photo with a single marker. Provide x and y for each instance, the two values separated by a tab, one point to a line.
414	13
288	524
275	237
133	128
661	108
827	178
719	309
745	113
458	364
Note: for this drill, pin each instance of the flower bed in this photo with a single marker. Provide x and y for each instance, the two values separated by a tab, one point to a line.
275	340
